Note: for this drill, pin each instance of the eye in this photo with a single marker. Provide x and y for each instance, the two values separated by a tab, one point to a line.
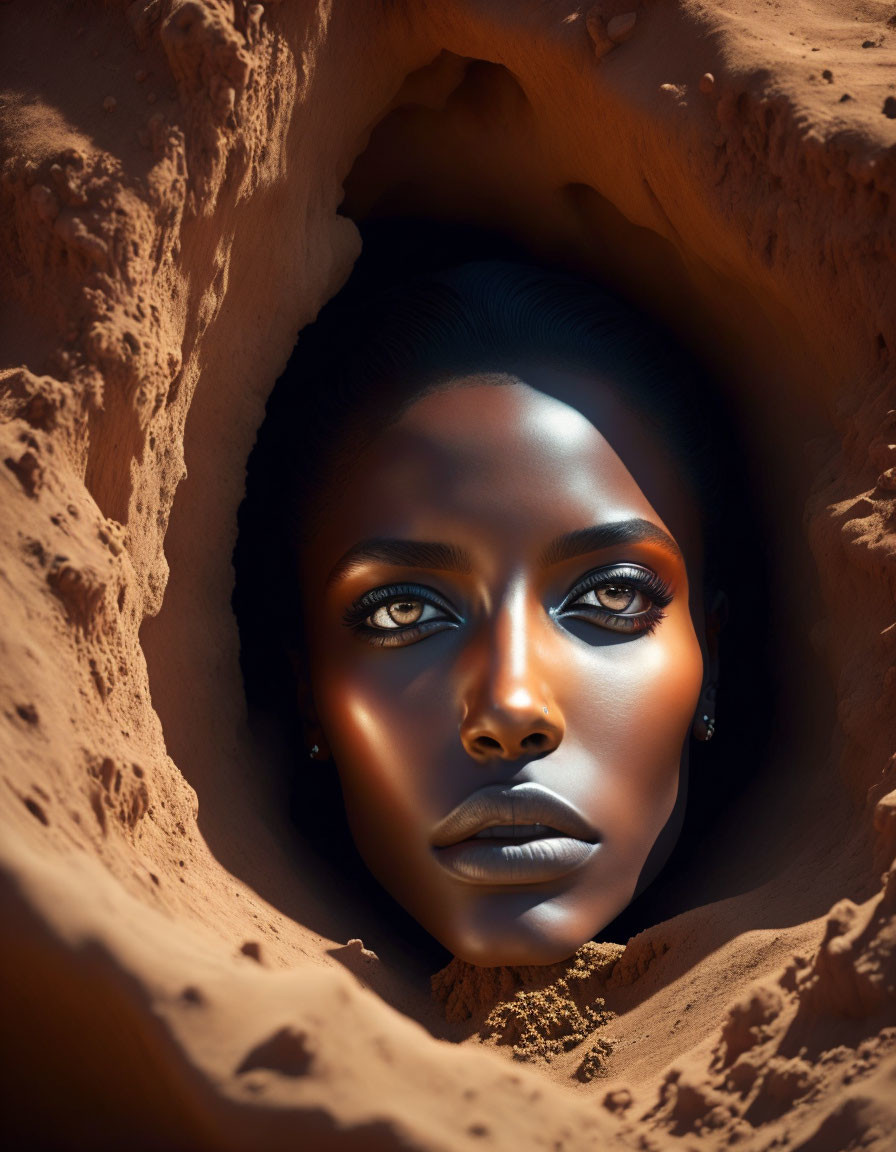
617	598
400	614
625	598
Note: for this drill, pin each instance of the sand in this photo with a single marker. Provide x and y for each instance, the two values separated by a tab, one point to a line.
177	970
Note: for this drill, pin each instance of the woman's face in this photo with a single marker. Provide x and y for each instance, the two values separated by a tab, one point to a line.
503	658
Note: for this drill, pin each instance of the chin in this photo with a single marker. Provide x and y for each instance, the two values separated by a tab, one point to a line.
534	934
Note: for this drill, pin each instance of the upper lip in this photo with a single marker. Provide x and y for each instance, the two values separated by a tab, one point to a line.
511	804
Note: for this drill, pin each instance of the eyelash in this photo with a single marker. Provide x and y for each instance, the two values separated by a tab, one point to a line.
628	576
357	613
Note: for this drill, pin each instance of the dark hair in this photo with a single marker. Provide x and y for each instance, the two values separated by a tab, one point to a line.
366	359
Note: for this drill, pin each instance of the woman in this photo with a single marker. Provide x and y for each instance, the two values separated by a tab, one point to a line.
496	485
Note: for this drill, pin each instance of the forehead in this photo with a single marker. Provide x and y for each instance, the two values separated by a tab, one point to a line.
516	460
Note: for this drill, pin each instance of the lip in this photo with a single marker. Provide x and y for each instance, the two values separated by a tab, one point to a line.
547	837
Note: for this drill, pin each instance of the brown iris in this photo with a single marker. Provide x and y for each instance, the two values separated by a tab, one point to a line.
615	597
404	612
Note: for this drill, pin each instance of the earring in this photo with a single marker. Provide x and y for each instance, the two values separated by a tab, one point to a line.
704	728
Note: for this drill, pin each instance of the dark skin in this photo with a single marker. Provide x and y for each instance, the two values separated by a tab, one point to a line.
507	649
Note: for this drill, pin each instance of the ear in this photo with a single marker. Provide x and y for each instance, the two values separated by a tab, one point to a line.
312	732
705	719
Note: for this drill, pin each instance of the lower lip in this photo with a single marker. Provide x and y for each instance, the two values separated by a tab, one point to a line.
527	862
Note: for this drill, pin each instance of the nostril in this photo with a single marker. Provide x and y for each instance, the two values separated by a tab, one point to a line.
487	743
534	742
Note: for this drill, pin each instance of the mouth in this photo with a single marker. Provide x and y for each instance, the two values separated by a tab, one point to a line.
514	834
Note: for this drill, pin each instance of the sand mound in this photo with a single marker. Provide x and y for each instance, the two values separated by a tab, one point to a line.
540	1012
175	967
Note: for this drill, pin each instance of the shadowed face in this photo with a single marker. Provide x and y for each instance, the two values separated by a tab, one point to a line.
500	612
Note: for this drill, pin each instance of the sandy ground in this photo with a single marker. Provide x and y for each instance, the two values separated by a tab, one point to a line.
178	969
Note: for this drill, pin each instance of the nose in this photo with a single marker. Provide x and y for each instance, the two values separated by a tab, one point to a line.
509	709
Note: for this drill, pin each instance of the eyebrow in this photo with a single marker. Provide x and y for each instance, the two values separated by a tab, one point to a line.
404	553
634	531
449	558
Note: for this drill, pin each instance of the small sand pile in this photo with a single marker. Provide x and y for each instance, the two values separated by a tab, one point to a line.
539	1012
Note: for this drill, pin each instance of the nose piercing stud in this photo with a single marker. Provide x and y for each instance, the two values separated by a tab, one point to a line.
314	751
545	709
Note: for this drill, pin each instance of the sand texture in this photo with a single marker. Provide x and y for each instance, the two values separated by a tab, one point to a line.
176	974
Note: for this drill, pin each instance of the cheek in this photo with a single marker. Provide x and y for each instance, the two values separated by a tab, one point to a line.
633	715
647	686
388	742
